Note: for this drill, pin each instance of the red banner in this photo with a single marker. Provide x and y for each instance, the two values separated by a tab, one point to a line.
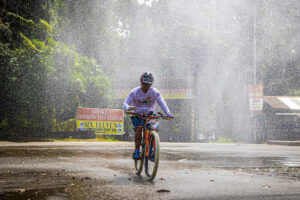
97	114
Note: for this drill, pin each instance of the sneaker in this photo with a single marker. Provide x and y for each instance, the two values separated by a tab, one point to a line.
136	155
152	158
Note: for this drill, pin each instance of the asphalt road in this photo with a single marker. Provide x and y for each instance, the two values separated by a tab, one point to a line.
88	170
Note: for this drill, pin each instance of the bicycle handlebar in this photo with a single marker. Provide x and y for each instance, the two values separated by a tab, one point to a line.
151	116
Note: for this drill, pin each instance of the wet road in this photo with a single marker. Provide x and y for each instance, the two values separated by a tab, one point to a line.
88	170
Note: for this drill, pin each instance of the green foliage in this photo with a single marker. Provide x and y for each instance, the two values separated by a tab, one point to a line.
5	33
107	138
21	19
97	139
45	80
176	127
78	80
49	28
19	24
278	56
224	140
29	43
295	92
69	125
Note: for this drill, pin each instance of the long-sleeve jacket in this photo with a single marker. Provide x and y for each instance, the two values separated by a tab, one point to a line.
145	102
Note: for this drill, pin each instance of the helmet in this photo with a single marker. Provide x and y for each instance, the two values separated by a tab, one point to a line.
147	78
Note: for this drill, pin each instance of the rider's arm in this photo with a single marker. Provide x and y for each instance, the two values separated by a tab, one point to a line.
128	101
162	103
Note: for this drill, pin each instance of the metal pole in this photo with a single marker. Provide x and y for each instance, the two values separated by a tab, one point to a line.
254	46
254	66
192	124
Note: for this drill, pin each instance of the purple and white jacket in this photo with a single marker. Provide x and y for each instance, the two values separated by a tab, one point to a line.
145	102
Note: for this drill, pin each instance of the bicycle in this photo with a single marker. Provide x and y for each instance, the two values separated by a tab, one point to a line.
149	146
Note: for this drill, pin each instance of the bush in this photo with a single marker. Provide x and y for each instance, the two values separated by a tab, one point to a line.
224	140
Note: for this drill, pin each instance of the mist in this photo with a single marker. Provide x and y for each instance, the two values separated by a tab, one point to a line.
92	53
229	71
214	48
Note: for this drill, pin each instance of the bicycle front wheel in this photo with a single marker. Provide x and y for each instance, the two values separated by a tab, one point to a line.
151	161
138	164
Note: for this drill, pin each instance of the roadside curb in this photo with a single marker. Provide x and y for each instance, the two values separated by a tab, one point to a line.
284	142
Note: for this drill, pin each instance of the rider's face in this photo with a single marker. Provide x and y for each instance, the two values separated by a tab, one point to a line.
145	87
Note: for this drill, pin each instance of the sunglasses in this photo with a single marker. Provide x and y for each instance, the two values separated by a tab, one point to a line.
145	84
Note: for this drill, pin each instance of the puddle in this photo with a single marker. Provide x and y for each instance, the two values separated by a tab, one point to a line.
57	193
205	160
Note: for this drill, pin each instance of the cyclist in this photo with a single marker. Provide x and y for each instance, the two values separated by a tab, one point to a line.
142	100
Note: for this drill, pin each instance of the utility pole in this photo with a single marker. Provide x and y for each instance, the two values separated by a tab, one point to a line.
195	103
254	66
254	45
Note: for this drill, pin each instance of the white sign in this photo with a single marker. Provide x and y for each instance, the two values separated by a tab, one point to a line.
256	98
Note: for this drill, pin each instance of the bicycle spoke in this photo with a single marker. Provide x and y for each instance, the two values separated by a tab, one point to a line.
151	161
138	164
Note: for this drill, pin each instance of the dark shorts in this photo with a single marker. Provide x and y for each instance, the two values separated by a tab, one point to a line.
136	121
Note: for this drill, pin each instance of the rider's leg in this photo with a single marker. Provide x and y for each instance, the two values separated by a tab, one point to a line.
138	137
138	127
137	140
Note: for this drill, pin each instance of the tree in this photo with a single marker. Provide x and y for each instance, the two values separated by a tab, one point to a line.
46	80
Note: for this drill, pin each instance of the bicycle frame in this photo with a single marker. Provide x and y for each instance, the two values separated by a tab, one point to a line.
150	137
147	137
150	128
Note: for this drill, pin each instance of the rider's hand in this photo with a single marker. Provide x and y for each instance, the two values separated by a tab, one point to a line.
170	115
131	108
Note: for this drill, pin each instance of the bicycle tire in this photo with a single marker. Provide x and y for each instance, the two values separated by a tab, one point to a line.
151	173
138	164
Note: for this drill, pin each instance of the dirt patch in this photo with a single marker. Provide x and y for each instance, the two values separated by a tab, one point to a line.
51	153
41	184
292	173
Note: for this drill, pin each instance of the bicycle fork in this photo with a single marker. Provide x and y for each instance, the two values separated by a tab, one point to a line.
147	140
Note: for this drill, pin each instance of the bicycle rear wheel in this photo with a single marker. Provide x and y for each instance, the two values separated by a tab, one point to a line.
151	161
138	164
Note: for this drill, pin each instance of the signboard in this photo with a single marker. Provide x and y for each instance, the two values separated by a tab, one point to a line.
101	121
175	93
255	98
166	93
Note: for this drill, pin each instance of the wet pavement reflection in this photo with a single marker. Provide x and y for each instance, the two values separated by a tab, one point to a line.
105	171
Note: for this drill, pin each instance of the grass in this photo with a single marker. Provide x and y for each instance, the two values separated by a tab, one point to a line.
223	140
97	139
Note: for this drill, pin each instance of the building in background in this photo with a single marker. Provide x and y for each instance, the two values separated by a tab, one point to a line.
280	119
